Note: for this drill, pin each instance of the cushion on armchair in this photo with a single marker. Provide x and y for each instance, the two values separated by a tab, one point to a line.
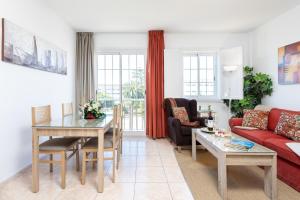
181	114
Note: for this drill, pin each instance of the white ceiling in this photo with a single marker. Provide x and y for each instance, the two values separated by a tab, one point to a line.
169	15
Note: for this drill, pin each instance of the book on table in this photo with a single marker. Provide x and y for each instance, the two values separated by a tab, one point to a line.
242	143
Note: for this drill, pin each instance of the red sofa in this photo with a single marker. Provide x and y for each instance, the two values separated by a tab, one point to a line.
288	163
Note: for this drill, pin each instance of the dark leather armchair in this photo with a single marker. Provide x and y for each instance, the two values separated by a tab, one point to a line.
179	134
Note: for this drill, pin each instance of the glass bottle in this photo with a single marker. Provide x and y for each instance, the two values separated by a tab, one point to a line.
210	121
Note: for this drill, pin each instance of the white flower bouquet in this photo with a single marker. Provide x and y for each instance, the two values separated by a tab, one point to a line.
92	110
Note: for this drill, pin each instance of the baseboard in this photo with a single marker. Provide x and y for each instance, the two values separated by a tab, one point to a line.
19	172
15	175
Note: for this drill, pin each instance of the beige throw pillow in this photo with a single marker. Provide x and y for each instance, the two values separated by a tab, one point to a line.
181	114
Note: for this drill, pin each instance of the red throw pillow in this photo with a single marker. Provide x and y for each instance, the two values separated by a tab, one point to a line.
289	126
181	114
256	118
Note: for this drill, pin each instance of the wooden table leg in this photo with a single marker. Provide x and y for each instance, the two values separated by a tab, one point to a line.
194	146
35	161
63	169
222	178
271	179
100	165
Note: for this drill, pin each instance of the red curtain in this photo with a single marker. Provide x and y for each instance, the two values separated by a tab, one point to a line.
155	119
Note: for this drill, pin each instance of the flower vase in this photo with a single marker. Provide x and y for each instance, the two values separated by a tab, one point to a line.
90	116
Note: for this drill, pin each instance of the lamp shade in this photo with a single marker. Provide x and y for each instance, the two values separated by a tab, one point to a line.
231	60
230	68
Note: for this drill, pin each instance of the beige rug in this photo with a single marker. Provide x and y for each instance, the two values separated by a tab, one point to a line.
244	183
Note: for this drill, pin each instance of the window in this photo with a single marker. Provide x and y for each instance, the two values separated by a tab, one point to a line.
121	78
108	79
199	71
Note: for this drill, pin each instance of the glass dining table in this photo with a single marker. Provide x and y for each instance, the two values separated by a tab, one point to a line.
75	127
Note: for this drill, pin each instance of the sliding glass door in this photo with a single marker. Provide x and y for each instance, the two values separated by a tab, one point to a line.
121	78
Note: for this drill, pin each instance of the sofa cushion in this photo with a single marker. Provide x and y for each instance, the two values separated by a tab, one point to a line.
263	108
256	118
235	122
279	145
274	116
258	136
288	126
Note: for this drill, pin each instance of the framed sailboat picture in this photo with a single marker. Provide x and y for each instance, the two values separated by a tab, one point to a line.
21	47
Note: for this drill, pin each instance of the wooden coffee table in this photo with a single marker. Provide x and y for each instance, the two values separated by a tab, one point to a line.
226	156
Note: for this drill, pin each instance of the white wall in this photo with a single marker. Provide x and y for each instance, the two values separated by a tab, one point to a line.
265	41
22	87
175	43
120	41
178	42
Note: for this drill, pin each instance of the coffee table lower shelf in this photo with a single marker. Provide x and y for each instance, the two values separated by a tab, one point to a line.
266	159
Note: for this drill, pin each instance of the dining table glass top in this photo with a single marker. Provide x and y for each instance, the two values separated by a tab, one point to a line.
73	121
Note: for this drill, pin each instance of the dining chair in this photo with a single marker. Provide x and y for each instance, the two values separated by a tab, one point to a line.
55	146
120	129
111	144
110	131
67	109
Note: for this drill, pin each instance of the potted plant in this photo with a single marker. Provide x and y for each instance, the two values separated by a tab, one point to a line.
256	86
91	110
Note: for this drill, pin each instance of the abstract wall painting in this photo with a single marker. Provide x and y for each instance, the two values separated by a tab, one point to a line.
289	64
24	48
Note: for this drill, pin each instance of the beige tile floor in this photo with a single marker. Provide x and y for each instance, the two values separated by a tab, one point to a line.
148	170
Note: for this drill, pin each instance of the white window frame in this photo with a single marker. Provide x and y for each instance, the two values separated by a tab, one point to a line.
199	97
120	53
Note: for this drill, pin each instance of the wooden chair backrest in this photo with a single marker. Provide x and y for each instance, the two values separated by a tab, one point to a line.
119	115
67	109
117	122
41	114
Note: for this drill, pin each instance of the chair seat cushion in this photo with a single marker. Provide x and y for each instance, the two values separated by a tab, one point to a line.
109	132
58	144
283	151
93	143
186	130
258	136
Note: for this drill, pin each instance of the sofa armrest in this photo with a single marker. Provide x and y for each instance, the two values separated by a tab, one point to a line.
174	122
201	121
174	129
235	122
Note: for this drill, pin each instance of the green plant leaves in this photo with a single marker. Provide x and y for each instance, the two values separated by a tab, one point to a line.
256	86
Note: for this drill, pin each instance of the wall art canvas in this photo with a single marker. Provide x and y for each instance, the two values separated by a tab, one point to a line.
24	48
289	64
